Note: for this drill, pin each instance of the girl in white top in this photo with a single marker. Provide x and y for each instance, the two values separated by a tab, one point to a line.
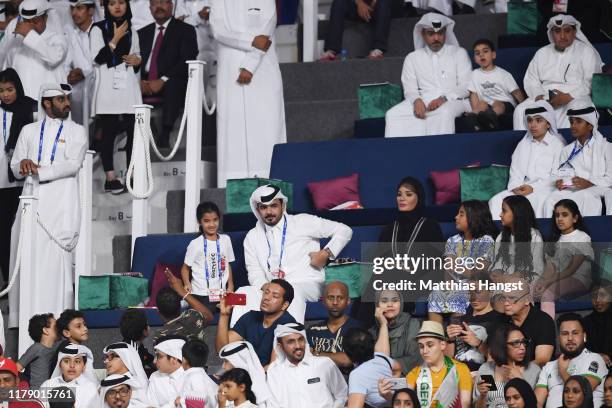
534	160
206	271
519	248
235	387
568	259
114	43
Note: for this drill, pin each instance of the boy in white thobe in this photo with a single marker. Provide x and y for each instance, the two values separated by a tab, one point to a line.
585	167
435	78
300	380
533	162
560	71
166	384
34	47
287	247
79	62
250	105
52	150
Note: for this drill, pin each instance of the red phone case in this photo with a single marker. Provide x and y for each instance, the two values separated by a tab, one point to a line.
236	299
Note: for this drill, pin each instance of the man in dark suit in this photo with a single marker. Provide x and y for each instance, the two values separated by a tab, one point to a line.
165	46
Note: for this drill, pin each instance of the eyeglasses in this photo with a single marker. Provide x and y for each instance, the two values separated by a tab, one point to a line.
110	357
519	343
122	392
512	299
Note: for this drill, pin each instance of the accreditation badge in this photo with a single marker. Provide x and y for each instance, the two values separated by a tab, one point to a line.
279	274
214	295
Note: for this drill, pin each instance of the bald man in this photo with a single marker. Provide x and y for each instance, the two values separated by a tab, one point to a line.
325	338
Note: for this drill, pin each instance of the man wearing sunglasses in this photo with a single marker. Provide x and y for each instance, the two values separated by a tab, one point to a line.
575	359
537	325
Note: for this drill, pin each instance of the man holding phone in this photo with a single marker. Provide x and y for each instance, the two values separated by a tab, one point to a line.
257	326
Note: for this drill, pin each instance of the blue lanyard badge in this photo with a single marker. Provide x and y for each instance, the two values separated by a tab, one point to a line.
40	142
219	263
575	152
4	126
282	248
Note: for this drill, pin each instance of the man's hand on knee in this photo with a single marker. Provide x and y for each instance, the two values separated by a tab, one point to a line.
419	108
436	103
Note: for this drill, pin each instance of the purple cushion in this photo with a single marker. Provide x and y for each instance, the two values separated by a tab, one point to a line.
327	194
160	281
448	185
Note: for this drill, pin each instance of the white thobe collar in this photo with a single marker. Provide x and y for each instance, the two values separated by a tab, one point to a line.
56	121
588	143
88	28
278	226
546	140
306	361
177	374
566	51
439	53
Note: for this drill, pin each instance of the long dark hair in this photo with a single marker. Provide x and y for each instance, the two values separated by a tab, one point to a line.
498	347
206	207
523	220
555	232
22	108
107	56
413	396
241	376
479	219
587	390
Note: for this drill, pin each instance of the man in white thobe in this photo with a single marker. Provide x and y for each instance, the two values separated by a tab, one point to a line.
79	61
34	47
560	71
166	384
250	106
534	161
300	380
585	167
116	391
283	246
51	150
435	78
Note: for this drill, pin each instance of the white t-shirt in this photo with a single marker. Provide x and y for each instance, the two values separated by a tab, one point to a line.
586	364
575	243
494	85
194	258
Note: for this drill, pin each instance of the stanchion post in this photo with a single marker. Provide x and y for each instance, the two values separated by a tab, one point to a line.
310	11
195	92
140	216
83	249
29	208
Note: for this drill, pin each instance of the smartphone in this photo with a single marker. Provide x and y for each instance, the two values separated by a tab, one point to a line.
235	299
487	378
398	383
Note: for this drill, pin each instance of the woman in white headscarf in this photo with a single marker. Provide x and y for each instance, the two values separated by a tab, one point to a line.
72	371
534	160
241	354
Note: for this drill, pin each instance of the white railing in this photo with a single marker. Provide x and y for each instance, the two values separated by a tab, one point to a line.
310	13
142	185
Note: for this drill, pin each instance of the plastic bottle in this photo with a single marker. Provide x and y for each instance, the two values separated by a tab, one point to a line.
343	55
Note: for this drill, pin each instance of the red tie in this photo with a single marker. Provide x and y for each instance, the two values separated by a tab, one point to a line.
153	74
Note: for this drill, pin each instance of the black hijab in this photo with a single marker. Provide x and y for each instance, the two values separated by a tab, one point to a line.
106	55
407	220
22	108
598	326
524	389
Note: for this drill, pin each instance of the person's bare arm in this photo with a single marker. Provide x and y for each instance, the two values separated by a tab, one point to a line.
224	334
176	284
466	398
518	95
185	277
541	395
340	358
356	401
382	343
543	354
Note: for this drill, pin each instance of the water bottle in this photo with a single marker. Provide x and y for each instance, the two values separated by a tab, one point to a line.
343	55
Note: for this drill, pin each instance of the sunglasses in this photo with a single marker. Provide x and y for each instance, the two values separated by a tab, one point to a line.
519	343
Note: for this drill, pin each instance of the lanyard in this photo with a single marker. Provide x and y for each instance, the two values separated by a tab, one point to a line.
575	152
282	248
4	126
219	263
40	142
